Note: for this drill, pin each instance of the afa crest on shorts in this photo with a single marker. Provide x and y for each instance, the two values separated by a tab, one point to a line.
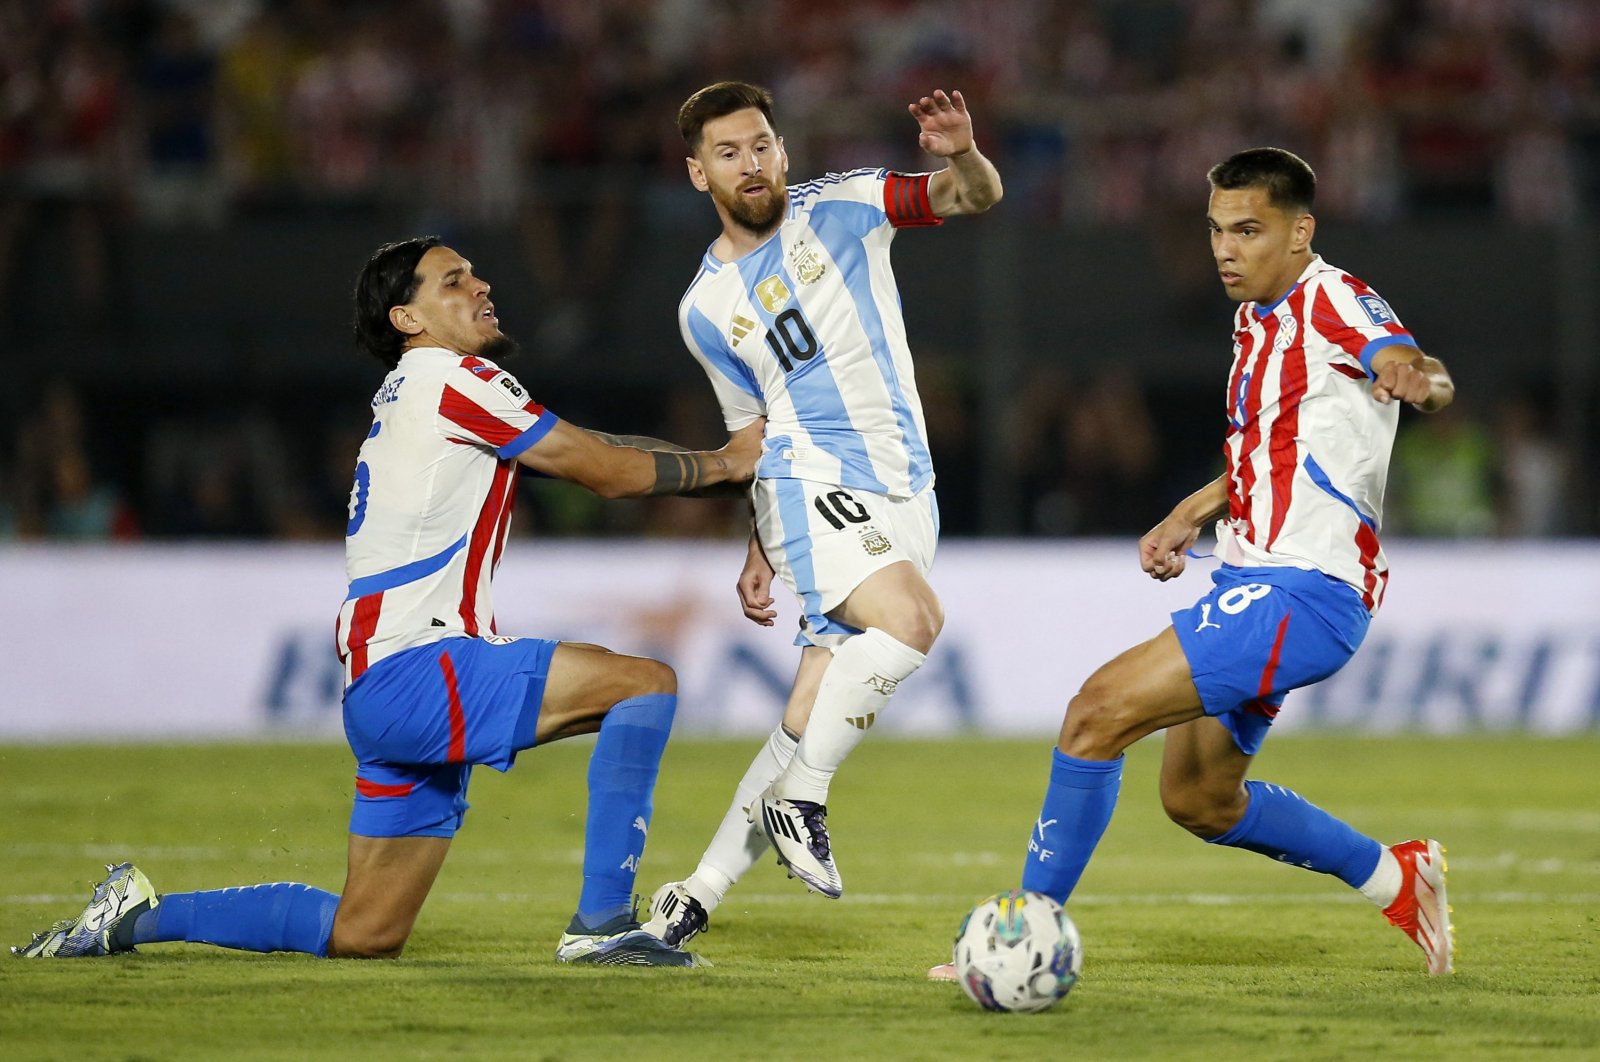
875	542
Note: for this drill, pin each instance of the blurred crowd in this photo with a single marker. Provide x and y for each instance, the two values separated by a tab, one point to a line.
186	110
1092	457
553	117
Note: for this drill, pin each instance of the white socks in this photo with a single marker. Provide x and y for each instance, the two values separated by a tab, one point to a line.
855	689
1383	888
737	844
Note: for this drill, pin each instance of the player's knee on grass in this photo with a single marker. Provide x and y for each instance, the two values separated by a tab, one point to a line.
367	942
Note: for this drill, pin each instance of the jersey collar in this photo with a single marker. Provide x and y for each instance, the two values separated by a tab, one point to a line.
1311	267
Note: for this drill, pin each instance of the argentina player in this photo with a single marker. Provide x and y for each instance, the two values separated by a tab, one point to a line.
795	317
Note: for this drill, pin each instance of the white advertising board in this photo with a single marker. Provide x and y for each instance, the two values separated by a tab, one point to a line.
200	642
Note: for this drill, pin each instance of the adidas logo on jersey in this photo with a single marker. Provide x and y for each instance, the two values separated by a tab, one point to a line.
862	722
741	327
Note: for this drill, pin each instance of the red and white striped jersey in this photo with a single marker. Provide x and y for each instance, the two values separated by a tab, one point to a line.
435	483
1307	445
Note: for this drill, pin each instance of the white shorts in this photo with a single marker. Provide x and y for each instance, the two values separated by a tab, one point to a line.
823	540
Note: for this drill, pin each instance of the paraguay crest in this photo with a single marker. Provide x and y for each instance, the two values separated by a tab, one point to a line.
1288	329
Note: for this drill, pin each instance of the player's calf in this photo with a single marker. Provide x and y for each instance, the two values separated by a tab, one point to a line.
1203	812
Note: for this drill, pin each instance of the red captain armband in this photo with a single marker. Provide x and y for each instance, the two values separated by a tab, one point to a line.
905	200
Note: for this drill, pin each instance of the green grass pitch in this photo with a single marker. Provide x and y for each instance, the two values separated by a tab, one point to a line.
1191	951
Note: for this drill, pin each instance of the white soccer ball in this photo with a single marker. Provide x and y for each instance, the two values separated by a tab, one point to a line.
1018	951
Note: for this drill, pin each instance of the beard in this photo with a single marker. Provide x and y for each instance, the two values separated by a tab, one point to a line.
500	349
757	215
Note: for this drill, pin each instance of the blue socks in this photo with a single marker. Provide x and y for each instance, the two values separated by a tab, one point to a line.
622	782
1284	825
1077	808
280	917
1277	822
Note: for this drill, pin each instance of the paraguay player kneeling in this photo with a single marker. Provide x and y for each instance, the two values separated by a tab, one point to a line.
431	690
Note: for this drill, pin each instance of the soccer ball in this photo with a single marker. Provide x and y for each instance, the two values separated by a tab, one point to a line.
1017	951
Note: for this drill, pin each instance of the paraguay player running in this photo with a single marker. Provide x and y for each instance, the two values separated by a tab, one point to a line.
795	317
1320	367
432	690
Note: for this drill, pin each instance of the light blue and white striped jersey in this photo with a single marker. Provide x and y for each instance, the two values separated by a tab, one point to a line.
806	331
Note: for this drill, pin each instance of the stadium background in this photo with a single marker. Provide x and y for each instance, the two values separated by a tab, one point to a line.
187	189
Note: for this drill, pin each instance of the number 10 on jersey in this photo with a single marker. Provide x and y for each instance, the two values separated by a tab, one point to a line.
791	339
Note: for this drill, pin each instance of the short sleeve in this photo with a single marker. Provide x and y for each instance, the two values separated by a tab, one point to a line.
738	391
862	200
1357	319
483	405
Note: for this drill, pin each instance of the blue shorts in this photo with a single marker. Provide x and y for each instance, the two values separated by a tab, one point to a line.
419	720
1262	632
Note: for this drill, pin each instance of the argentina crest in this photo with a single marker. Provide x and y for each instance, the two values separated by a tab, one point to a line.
806	263
875	542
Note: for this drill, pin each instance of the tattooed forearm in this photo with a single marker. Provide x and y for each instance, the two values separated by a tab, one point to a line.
639	442
682	473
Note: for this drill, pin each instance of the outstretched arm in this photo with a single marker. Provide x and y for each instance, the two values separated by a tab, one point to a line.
1404	373
1161	550
969	184
629	471
750	435
638	442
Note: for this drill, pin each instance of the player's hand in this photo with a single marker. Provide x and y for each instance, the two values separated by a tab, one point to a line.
946	126
1161	550
1402	381
744	449
755	586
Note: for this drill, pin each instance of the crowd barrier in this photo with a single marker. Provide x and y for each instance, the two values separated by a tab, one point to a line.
196	642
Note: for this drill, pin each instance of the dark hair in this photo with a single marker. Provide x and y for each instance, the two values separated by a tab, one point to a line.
1289	180
719	101
388	279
